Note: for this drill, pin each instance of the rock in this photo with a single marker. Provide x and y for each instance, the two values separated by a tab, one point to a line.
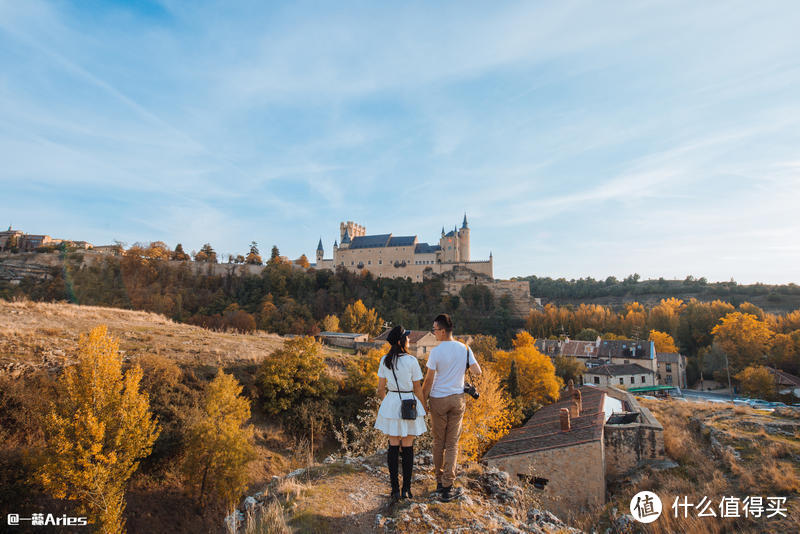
295	473
249	503
329	460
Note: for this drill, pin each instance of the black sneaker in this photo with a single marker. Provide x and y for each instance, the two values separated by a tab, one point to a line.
449	493
439	487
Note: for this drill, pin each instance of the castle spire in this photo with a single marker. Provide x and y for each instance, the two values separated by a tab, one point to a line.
319	246
442	231
464	224
346	238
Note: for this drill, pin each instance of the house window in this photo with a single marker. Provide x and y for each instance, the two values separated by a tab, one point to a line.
633	379
669	380
627	361
669	367
597	380
380	262
643	379
369	262
621	381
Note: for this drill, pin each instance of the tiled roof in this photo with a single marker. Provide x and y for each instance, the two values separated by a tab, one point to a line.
583	349
668	357
369	241
619	369
347	335
784	379
543	430
624	348
549	347
413	337
424	248
402	241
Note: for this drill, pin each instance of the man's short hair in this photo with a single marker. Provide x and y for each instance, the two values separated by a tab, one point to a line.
444	321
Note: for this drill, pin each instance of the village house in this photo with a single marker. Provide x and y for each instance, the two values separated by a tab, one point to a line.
625	374
341	339
420	342
570	448
785	383
671	369
625	351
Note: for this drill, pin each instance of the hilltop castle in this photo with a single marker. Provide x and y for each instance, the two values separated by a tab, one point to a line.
389	256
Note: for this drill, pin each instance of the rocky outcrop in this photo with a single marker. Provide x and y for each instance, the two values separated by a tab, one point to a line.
352	493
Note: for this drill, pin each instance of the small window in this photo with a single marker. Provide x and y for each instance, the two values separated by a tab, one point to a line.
380	262
669	367
621	381
627	361
369	262
633	380
597	380
643	379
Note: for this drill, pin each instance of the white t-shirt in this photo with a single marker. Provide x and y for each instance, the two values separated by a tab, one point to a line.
406	369
449	360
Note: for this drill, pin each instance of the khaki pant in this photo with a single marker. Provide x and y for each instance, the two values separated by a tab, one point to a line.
446	415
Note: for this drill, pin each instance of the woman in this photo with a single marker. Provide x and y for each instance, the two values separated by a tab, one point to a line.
407	385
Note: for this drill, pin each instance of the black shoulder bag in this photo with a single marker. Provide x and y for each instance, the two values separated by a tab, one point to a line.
469	389
408	407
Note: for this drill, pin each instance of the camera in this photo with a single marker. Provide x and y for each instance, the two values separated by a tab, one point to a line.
470	390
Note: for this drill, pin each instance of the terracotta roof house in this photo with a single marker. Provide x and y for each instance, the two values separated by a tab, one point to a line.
568	449
629	351
671	369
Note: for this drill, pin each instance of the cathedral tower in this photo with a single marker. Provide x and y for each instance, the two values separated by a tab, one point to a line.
463	240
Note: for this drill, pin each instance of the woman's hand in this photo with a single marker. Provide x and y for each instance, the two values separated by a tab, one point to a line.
381	388
418	392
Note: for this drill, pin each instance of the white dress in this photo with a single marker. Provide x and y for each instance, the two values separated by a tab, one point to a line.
388	420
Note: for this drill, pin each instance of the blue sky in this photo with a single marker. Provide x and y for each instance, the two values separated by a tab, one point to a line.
581	138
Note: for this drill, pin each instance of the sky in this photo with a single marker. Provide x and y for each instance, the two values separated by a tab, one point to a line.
580	138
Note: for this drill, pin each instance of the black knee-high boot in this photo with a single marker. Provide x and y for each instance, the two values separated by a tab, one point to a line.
392	456
408	468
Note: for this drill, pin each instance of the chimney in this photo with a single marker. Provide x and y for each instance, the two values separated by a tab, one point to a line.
574	409
576	396
564	420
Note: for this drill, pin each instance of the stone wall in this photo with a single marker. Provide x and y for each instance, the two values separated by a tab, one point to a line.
575	474
518	292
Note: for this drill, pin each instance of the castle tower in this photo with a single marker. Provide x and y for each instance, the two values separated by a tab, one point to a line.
352	229
345	239
463	240
320	251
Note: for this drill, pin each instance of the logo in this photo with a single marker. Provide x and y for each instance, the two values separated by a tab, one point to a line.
646	507
44	520
13	519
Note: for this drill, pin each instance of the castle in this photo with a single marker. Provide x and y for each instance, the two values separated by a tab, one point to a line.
389	256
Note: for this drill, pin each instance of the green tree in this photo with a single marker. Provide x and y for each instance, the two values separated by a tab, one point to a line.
587	334
292	374
98	431
512	382
569	368
218	443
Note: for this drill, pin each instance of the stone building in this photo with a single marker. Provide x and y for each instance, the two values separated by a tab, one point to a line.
671	369
390	256
10	238
625	374
346	340
570	448
420	342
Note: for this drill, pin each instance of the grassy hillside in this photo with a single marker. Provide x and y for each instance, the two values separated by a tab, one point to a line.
38	339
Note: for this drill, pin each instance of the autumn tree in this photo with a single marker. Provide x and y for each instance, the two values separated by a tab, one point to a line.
358	318
206	254
663	342
178	254
218	443
292	374
538	383
486	419
253	257
157	250
303	262
523	339
666	316
362	371
756	381
330	323
97	432
484	347
743	337
633	322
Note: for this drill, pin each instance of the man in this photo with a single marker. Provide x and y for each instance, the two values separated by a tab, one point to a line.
443	389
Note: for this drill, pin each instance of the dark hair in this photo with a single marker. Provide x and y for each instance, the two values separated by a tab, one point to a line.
395	350
444	321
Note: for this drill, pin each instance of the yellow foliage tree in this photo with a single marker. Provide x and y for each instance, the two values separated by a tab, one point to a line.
756	381
743	337
536	374
666	316
97	432
633	323
362	371
663	341
218	444
523	339
487	418
330	323
358	318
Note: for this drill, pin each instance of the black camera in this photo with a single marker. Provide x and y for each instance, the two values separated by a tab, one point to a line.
470	390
